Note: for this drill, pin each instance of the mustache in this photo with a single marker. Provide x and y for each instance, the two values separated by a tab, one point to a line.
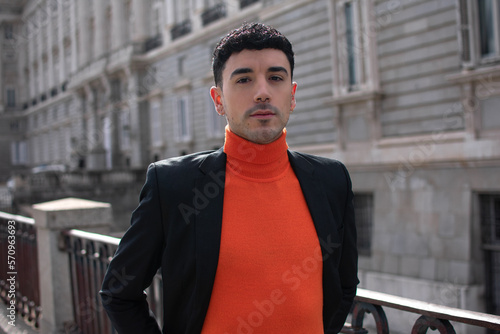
262	106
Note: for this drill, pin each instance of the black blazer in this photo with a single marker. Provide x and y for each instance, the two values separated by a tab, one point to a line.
177	226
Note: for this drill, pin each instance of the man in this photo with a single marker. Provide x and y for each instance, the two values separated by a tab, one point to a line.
252	238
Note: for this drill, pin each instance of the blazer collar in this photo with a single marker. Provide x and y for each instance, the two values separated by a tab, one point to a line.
314	193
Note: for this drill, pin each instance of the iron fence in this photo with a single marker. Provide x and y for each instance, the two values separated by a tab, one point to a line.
432	316
89	257
19	274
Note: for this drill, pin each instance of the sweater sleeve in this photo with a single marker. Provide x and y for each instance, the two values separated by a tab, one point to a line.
134	265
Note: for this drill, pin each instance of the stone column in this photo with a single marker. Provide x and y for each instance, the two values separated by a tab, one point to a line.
50	44
232	7
55	282
136	148
95	135
196	9
73	24
140	22
60	44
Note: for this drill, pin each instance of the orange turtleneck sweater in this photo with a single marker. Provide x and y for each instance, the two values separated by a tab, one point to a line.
269	274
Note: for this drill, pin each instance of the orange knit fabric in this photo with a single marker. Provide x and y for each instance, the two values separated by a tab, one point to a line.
269	275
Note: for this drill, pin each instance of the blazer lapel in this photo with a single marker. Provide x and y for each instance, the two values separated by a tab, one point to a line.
315	196
208	224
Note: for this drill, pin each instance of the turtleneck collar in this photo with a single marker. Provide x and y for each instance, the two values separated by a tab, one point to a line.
255	161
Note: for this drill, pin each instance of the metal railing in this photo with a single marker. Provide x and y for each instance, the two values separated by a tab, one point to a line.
19	274
432	316
89	255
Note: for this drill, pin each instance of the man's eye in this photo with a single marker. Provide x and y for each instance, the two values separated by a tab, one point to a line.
242	80
276	78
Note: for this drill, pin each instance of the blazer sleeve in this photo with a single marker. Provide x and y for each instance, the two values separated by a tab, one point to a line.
135	263
348	267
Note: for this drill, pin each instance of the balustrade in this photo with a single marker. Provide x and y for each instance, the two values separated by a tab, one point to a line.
433	316
88	257
19	274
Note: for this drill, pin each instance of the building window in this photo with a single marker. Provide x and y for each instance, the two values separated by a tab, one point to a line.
349	45
353	47
489	208
479	32
115	90
180	29
156	19
246	3
19	153
15	126
8	30
181	61
363	213
213	13
183	120
490	218
180	11
11	98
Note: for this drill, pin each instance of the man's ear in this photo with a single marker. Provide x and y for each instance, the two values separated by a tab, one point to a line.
293	102
216	94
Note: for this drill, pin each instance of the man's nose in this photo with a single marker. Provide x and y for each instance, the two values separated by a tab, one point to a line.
262	93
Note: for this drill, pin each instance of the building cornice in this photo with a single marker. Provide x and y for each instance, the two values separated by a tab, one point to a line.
213	30
473	75
438	150
48	103
354	97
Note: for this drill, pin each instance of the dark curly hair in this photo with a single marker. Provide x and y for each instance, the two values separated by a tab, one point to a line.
250	36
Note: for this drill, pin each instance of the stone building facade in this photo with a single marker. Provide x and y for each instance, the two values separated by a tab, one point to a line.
405	92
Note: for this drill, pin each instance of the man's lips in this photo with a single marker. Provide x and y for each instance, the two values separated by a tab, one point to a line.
262	114
262	111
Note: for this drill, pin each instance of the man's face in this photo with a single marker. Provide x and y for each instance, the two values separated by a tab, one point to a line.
257	94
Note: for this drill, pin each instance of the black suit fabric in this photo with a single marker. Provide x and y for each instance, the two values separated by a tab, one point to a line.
177	227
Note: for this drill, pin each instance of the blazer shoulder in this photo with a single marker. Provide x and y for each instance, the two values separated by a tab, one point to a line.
316	160
326	169
186	163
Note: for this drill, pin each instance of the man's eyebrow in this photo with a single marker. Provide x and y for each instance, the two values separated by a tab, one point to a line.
277	69
242	70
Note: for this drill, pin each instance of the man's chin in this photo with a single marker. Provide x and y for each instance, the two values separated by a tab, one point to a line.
265	136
